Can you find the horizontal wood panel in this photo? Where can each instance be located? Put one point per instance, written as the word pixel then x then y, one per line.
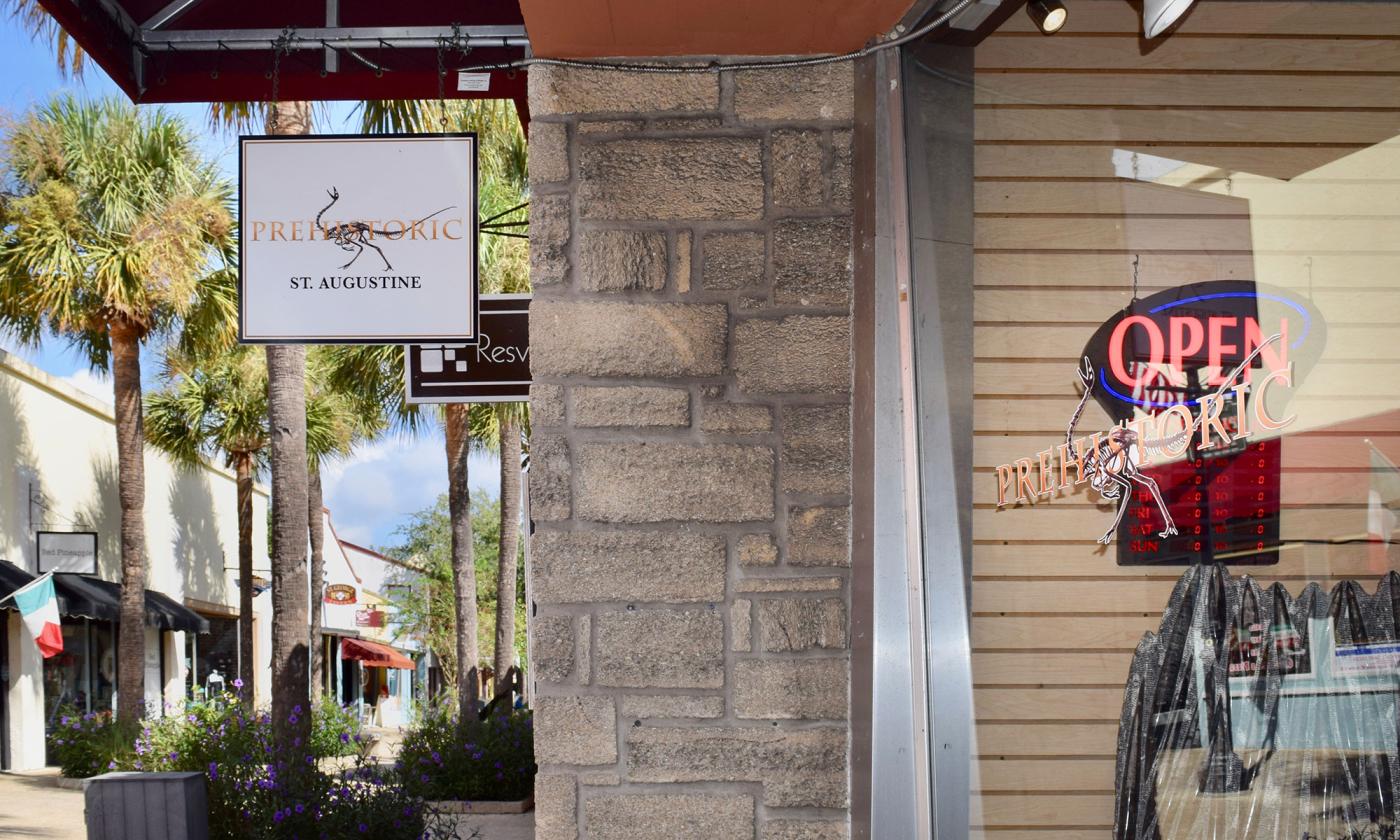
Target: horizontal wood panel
pixel 1060 739
pixel 1062 522
pixel 1009 774
pixel 1379 381
pixel 1215 126
pixel 993 160
pixel 1051 669
pixel 1046 632
pixel 1266 204
pixel 995 833
pixel 1264 18
pixel 1048 703
pixel 1030 809
pixel 1295 489
pixel 1187 233
pixel 1333 452
pixel 1380 307
pixel 1067 51
pixel 1089 597
pixel 1296 563
pixel 1347 342
pixel 1187 89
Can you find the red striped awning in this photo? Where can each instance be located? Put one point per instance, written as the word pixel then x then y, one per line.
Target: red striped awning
pixel 373 654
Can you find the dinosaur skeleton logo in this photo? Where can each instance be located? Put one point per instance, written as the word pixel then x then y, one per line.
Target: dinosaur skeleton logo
pixel 1112 462
pixel 357 236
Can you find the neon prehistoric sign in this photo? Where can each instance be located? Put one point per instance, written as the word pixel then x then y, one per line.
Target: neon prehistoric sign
pixel 1192 370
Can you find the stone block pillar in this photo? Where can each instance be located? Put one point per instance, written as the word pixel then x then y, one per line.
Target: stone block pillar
pixel 690 247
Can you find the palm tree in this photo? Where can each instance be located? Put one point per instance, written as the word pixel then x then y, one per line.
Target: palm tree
pixel 337 419
pixel 503 267
pixel 501 428
pixel 217 406
pixel 109 239
pixel 286 416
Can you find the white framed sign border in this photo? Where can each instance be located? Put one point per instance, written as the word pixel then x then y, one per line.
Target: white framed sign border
pixel 464 338
pixel 39 551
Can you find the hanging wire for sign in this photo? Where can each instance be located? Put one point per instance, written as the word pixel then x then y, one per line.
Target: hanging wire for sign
pixel 492 226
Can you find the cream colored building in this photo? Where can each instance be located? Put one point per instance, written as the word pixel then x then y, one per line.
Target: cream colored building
pixel 58 472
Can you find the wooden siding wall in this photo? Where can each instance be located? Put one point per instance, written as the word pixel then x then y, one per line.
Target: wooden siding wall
pixel 1287 114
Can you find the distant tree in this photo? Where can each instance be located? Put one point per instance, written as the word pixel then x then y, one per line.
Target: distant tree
pixel 503 266
pixel 428 604
pixel 115 231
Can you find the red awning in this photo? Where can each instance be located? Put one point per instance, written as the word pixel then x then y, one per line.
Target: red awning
pixel 373 654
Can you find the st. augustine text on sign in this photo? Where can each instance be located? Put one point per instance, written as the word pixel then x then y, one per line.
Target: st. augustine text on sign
pixel 358 240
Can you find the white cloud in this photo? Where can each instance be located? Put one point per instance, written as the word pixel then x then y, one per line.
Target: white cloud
pixel 382 484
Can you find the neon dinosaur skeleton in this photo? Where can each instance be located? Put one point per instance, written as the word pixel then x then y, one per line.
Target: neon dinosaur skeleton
pixel 1112 465
pixel 357 236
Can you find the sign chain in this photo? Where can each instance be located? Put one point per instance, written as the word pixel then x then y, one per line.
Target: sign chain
pixel 280 47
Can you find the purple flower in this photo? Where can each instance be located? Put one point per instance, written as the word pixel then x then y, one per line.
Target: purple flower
pixel 238 683
pixel 363 828
pixel 277 815
pixel 213 770
pixel 300 807
pixel 345 737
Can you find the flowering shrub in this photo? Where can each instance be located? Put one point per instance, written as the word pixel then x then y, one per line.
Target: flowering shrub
pixel 85 745
pixel 473 760
pixel 335 729
pixel 259 789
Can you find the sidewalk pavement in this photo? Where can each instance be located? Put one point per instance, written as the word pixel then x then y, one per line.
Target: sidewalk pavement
pixel 32 805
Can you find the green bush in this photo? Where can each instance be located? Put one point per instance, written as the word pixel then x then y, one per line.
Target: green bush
pixel 259 789
pixel 84 745
pixel 335 729
pixel 473 760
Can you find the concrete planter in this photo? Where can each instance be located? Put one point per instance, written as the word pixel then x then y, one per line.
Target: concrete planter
pixel 72 784
pixel 458 806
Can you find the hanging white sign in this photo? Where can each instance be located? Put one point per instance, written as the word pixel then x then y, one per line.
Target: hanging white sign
pixel 72 552
pixel 347 239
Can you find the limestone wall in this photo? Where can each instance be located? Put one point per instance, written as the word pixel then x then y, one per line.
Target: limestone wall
pixel 690 459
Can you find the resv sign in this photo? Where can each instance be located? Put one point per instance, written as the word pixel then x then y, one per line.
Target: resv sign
pixel 495 369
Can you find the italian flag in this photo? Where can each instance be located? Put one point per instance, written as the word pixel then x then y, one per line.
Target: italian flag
pixel 38 606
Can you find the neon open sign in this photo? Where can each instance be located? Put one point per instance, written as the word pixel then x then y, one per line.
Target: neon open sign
pixel 1176 345
pixel 1189 373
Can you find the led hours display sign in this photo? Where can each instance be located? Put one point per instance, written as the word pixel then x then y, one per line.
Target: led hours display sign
pixel 1196 381
pixel 358 240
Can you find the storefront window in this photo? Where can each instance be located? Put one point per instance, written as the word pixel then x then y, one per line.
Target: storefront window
pixel 212 652
pixel 84 675
pixel 1186 318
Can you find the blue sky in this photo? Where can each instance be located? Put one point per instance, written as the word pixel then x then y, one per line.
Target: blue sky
pixel 371 493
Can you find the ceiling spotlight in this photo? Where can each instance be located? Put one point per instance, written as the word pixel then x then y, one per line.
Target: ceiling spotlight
pixel 1159 15
pixel 1049 15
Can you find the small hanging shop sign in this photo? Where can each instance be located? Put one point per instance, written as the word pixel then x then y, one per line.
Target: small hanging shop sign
pixel 369 617
pixel 73 552
pixel 340 594
pixel 349 239
pixel 496 369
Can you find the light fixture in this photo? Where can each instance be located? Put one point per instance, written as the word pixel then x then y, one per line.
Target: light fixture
pixel 1159 15
pixel 1049 15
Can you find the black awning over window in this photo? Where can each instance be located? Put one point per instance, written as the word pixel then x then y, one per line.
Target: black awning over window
pixel 12 577
pixel 84 596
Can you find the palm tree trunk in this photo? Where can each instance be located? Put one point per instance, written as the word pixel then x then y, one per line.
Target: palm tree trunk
pixel 463 570
pixel 510 543
pixel 131 483
pixel 315 519
pixel 243 473
pixel 286 408
pixel 286 411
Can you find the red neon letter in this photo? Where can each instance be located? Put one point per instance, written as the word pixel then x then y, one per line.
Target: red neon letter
pixel 1191 345
pixel 1115 346
pixel 1218 347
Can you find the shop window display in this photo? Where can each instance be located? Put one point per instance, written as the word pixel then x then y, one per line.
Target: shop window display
pixel 1148 215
